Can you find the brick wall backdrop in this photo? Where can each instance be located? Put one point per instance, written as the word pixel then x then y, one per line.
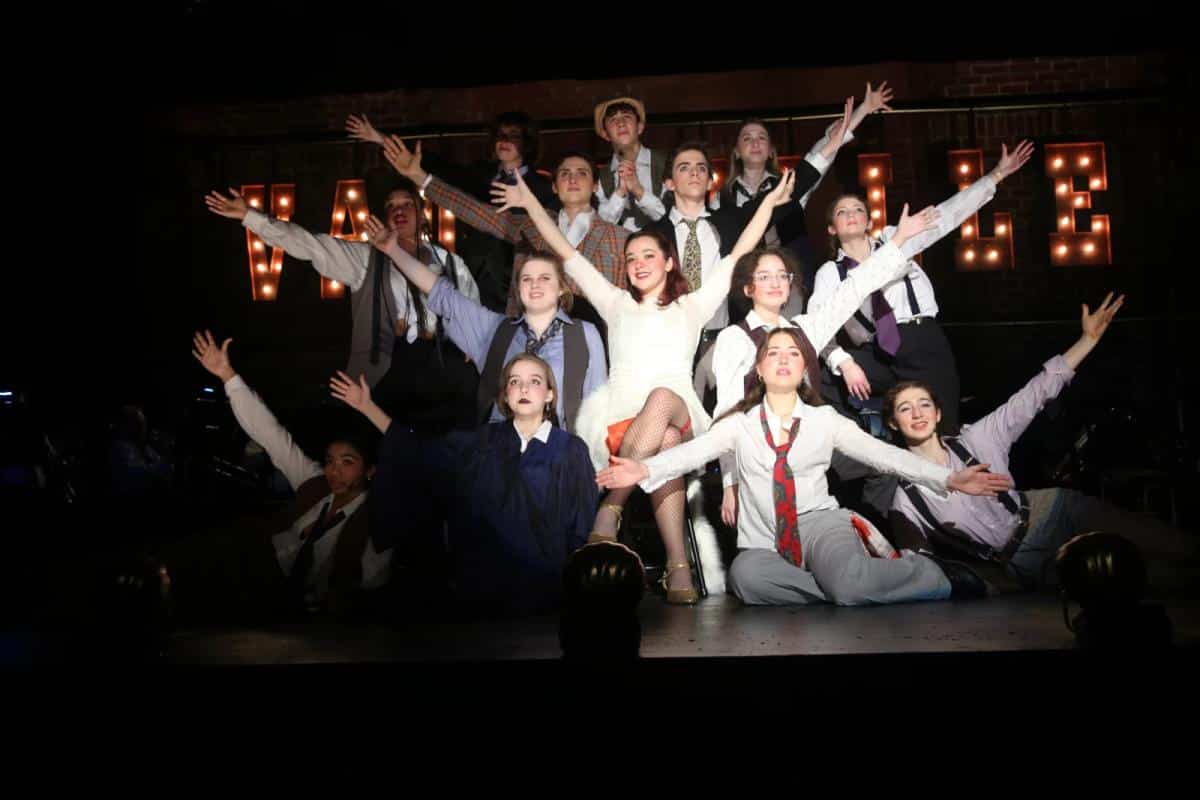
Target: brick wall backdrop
pixel 1129 102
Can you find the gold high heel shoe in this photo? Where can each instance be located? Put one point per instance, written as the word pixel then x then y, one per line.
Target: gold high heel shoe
pixel 679 597
pixel 596 536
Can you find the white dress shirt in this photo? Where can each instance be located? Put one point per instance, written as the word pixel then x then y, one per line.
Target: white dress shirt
pixel 954 212
pixel 260 425
pixel 710 256
pixel 734 352
pixel 611 208
pixel 821 431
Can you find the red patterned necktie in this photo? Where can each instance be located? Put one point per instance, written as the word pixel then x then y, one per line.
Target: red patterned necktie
pixel 783 492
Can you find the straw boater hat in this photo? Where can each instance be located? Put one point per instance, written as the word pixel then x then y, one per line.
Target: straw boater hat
pixel 603 107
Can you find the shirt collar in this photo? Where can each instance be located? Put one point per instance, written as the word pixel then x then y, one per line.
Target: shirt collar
pixel 542 434
pixel 563 222
pixel 677 218
pixel 801 410
pixel 768 178
pixel 755 321
pixel 523 170
pixel 350 507
pixel 564 316
pixel 642 160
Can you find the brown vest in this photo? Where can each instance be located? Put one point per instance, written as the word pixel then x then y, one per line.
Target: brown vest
pixel 346 574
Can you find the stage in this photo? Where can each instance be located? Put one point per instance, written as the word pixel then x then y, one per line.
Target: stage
pixel 718 628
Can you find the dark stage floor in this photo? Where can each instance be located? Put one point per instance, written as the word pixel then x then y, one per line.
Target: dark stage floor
pixel 718 628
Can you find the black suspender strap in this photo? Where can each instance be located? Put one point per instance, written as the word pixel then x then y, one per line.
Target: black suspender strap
pixel 1018 506
pixel 940 534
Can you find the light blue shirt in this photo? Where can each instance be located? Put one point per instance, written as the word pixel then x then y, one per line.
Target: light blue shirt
pixel 472 327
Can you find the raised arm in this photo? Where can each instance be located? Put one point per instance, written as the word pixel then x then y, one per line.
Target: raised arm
pixel 252 414
pixel 885 265
pixel 384 240
pixel 1094 325
pixel 959 208
pixel 469 324
pixel 360 128
pixel 1006 424
pixel 873 100
pixel 704 302
pixel 358 396
pixel 334 258
pixel 598 290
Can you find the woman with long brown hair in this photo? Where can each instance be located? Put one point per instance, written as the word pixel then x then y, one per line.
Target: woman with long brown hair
pixel 797 546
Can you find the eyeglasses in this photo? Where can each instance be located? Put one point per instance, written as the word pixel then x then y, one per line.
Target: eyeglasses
pixel 767 277
pixel 509 136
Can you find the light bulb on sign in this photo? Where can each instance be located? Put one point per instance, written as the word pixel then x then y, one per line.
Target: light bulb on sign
pixel 261 267
pixel 268 289
pixel 969 255
pixel 1058 163
pixel 1064 222
pixel 875 195
pixel 1084 161
pixel 1097 225
pixel 1095 183
pixel 334 285
pixel 875 214
pixel 873 172
pixel 1089 248
pixel 968 230
pixel 258 246
pixel 363 236
pixel 254 202
pixel 1001 229
pixel 351 194
pixel 993 255
pixel 1062 249
pixel 362 215
pixel 1062 188
pixel 283 201
pixel 1079 200
pixel 964 169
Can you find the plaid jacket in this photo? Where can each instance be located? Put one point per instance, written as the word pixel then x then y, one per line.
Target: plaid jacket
pixel 604 244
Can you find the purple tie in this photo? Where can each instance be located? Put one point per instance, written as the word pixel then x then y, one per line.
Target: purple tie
pixel 887 334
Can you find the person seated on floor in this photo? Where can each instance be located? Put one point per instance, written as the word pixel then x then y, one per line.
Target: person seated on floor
pixel 520 494
pixel 316 556
pixel 1021 530
pixel 798 546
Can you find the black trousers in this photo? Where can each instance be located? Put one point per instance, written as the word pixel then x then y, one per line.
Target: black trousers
pixel 924 355
pixel 429 386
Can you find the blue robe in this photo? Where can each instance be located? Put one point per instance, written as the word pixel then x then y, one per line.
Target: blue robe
pixel 513 517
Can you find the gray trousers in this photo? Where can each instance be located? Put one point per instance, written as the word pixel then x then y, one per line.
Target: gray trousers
pixel 837 569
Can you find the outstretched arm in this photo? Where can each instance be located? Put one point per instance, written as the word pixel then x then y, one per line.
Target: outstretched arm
pixel 358 396
pixel 959 208
pixel 336 259
pixel 252 414
pixel 598 290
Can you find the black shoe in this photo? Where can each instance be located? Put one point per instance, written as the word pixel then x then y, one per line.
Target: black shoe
pixel 965 583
